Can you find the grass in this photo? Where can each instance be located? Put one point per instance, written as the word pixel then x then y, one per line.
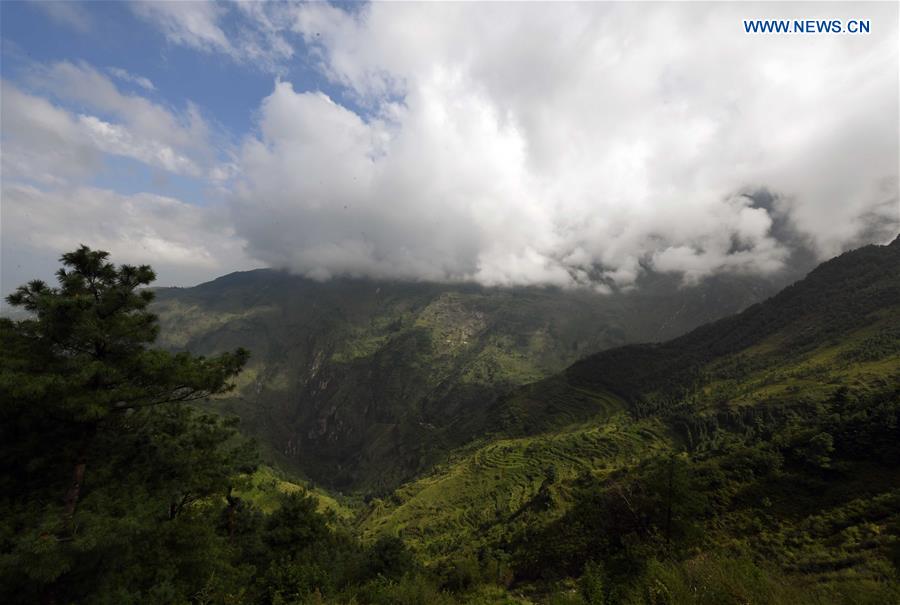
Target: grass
pixel 266 485
pixel 471 499
pixel 802 540
pixel 813 375
pixel 749 387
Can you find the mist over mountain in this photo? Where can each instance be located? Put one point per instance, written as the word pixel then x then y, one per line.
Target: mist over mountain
pixel 449 303
pixel 768 436
pixel 527 154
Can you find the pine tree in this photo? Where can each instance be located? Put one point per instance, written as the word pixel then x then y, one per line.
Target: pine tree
pixel 92 417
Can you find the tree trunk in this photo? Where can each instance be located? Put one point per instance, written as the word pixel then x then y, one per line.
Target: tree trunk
pixel 70 500
pixel 232 512
pixel 175 508
pixel 70 503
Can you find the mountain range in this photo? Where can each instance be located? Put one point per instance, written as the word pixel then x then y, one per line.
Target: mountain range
pixel 361 384
pixel 824 347
pixel 505 437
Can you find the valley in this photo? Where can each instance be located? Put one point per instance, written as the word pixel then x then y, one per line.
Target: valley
pixel 360 385
pixel 769 436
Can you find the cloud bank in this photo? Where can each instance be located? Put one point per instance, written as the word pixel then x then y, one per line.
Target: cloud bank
pixel 571 144
pixel 183 242
pixel 52 152
pixel 254 36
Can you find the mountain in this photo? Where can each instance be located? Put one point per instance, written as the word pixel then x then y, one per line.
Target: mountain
pixel 847 302
pixel 361 384
pixel 756 457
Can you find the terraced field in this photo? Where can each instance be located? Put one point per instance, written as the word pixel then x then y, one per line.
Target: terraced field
pixel 265 487
pixel 360 385
pixel 860 361
pixel 768 375
pixel 473 499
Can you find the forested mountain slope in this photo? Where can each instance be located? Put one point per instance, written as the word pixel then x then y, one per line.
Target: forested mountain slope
pixel 753 460
pixel 361 384
pixel 755 454
pixel 848 303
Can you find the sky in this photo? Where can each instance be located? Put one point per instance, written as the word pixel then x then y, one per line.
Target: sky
pixel 567 144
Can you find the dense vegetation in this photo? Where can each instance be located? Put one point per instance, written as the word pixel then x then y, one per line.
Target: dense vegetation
pixel 115 490
pixel 753 460
pixel 360 384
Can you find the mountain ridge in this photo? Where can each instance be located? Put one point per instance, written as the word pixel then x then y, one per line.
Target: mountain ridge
pixel 780 425
pixel 352 379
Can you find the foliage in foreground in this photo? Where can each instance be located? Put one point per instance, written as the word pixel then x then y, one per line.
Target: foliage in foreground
pixel 113 489
pixel 116 488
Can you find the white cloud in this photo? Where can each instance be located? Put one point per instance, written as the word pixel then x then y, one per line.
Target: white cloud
pixel 49 151
pixel 42 142
pixel 82 84
pixel 66 12
pixel 94 115
pixel 127 76
pixel 193 24
pixel 117 140
pixel 529 143
pixel 47 144
pixel 574 143
pixel 255 35
pixel 184 243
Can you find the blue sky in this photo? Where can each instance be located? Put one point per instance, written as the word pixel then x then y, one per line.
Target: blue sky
pixel 112 36
pixel 572 144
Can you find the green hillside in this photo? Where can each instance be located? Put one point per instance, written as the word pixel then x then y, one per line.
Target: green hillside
pixel 755 459
pixel 360 385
